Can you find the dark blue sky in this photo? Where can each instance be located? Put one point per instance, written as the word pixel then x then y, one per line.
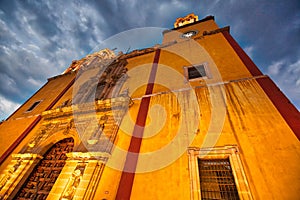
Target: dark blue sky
pixel 39 39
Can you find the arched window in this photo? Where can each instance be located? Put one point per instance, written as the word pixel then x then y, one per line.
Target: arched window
pixel 42 178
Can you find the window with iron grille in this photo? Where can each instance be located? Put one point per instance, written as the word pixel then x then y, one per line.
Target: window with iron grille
pixel 216 179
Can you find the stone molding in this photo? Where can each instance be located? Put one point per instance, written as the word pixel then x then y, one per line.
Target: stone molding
pixel 229 151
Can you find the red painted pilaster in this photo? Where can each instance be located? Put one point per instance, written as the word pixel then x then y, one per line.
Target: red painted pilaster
pixel 287 110
pixel 32 125
pixel 127 178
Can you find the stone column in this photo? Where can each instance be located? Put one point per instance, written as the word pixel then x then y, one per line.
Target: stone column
pixel 80 176
pixel 16 172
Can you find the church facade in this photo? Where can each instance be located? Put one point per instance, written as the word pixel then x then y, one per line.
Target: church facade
pixel 191 118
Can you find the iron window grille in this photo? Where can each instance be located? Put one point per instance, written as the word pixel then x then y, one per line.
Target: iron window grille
pixel 216 179
pixel 217 173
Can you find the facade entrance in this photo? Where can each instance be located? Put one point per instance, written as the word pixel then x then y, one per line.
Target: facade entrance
pixel 42 178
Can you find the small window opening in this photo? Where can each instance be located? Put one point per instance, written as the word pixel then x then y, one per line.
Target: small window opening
pixel 196 72
pixel 33 106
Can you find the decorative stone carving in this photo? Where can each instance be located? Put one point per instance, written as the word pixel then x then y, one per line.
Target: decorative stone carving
pixel 108 110
pixel 190 18
pixel 102 83
pixel 47 129
pixel 102 157
pixel 9 174
pixel 101 55
pixel 14 172
pixel 74 181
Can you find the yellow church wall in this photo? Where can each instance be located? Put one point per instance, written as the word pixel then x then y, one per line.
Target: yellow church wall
pixel 170 182
pixel 243 103
pixel 10 130
pixel 268 148
pixel 223 63
pixel 110 178
pixel 225 58
pixel 15 125
pixel 170 72
pixel 153 181
pixel 156 178
pixel 250 121
pixel 67 96
pixel 108 184
pixel 139 69
pixel 164 122
pixel 47 94
pixel 16 128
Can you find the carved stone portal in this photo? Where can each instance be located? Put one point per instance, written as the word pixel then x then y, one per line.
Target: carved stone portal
pixel 42 178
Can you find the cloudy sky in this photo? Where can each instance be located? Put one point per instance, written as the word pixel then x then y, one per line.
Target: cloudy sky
pixel 39 39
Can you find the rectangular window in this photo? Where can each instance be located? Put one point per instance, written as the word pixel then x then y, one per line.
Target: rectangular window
pixel 196 72
pixel 217 173
pixel 216 179
pixel 33 106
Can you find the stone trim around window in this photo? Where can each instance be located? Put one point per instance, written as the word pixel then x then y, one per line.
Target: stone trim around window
pixel 230 152
pixel 204 72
